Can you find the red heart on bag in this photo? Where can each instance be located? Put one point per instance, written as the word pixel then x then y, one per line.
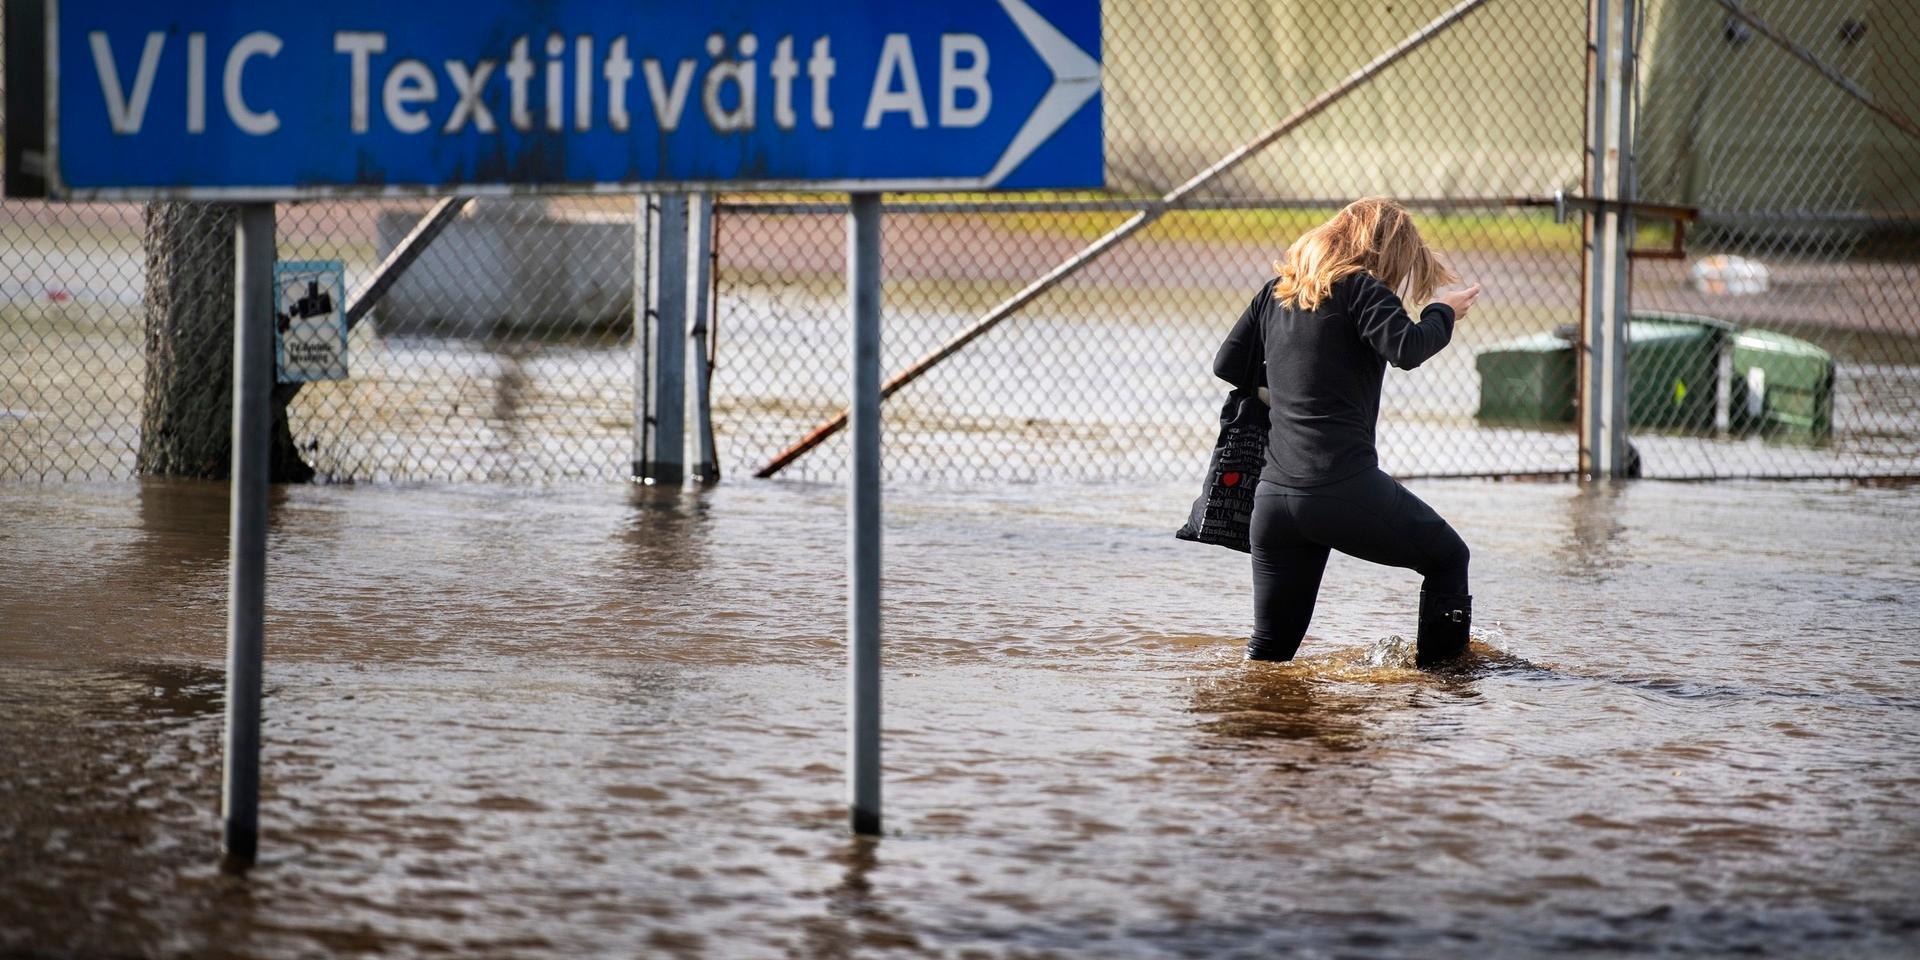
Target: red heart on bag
pixel 1230 478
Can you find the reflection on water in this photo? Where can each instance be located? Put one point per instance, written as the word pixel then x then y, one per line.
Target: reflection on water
pixel 1591 548
pixel 609 721
pixel 1283 701
pixel 666 527
pixel 159 690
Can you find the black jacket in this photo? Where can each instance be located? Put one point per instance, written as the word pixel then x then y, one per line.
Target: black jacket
pixel 1323 368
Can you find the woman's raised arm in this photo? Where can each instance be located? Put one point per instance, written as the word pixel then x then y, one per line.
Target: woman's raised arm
pixel 1383 323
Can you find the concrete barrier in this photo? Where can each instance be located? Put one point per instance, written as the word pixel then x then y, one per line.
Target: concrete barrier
pixel 511 266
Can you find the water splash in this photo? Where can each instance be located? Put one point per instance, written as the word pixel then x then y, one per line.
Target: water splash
pixel 1395 652
pixel 1394 659
pixel 1491 635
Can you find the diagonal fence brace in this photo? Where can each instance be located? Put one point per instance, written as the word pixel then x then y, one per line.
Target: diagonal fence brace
pixel 403 255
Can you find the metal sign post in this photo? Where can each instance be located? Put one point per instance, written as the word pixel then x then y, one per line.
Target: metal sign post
pixel 247 530
pixel 863 510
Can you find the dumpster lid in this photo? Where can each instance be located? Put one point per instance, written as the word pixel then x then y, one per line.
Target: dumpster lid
pixel 1644 330
pixel 1771 342
pixel 1682 319
pixel 1538 343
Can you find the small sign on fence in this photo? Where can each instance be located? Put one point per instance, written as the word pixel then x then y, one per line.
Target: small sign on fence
pixel 310 320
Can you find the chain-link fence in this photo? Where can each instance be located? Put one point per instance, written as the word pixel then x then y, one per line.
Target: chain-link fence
pixel 506 352
pixel 502 355
pixel 1804 250
pixel 1108 374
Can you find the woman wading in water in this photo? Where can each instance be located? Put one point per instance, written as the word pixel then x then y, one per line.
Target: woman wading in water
pixel 1316 342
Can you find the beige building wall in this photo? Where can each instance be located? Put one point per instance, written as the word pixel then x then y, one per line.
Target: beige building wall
pixel 1491 107
pixel 1890 161
pixel 1730 121
pixel 1495 105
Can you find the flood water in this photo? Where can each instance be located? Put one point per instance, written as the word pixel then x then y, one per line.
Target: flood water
pixel 598 721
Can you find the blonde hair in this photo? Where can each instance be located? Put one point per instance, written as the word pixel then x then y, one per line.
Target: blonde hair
pixel 1373 234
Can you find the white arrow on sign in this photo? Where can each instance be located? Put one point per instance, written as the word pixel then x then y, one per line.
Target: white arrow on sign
pixel 1076 78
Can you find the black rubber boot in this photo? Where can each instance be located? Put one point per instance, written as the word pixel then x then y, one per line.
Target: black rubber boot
pixel 1444 619
pixel 1271 651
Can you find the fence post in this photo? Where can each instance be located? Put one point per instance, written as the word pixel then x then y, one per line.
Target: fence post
pixel 1607 238
pixel 660 428
pixel 699 281
pixel 247 530
pixel 863 509
pixel 642 330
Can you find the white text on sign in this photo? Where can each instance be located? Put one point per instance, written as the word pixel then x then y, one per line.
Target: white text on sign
pixel 580 82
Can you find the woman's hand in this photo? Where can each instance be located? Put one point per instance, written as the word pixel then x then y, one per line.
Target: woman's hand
pixel 1460 300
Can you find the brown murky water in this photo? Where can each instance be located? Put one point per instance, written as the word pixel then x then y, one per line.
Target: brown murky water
pixel 594 721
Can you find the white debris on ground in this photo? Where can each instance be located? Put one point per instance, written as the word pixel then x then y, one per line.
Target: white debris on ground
pixel 1726 274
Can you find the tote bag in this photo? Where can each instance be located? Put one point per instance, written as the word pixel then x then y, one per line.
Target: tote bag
pixel 1225 508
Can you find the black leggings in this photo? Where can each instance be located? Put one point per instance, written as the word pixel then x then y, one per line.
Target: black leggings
pixel 1370 516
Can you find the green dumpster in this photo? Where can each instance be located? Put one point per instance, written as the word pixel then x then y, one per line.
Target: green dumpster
pixel 1527 381
pixel 1782 386
pixel 1673 370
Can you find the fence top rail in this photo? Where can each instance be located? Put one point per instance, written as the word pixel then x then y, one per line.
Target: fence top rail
pixel 1788 215
pixel 1126 205
pixel 827 207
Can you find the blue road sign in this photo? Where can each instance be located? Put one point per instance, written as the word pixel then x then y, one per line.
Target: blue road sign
pixel 250 100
